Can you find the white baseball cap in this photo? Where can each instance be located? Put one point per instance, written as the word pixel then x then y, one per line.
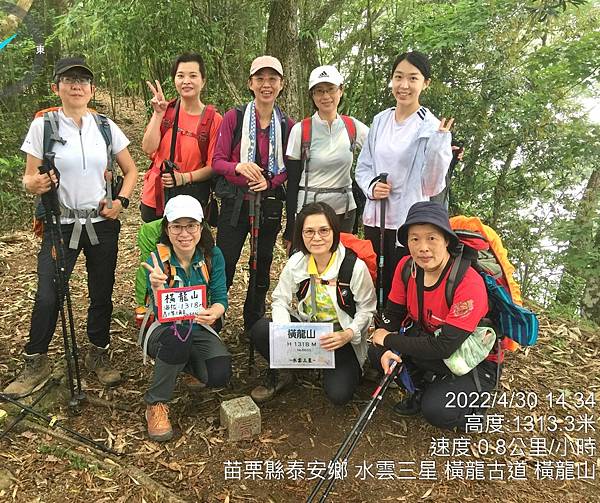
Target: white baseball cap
pixel 326 73
pixel 183 207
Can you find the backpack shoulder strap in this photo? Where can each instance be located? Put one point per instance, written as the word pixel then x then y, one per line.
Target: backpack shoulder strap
pixel 351 130
pixel 168 118
pixel 203 132
pixel 284 128
pixel 406 272
pixel 346 268
pixel 457 272
pixel 345 296
pixel 419 280
pixel 305 138
pixel 104 127
pixel 237 132
pixel 302 289
pixel 50 132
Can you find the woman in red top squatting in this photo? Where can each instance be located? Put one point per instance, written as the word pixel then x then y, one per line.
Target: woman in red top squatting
pixel 430 240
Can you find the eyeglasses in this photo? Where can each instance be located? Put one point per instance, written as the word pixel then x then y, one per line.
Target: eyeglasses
pixel 262 80
pixel 189 228
pixel 81 80
pixel 322 91
pixel 310 233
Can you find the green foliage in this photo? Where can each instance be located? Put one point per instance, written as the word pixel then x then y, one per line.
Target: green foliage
pixel 512 73
pixel 14 203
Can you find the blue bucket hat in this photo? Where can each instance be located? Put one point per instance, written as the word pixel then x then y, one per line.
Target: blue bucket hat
pixel 428 212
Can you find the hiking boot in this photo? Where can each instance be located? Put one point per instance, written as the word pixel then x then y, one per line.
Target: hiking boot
pixel 274 382
pixel 410 405
pixel 159 426
pixel 97 361
pixel 192 383
pixel 34 375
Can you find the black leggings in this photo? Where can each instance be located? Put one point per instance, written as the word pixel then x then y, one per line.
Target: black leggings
pixel 339 384
pixel 391 253
pixel 231 238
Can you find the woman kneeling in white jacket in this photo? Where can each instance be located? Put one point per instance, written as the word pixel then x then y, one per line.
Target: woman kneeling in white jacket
pixel 317 236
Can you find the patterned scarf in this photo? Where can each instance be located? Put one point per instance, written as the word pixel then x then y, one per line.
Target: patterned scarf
pixel 248 143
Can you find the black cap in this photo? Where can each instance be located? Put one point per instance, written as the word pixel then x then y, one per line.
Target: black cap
pixel 65 64
pixel 428 212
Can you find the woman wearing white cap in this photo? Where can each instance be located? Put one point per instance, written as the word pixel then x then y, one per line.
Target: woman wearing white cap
pixel 185 256
pixel 250 159
pixel 325 144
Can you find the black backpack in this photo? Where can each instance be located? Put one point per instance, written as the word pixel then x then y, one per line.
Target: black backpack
pixel 345 297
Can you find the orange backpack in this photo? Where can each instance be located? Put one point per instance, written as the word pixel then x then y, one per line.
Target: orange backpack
pixel 498 256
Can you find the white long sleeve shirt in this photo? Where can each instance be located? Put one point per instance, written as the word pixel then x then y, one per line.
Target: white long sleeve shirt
pixel 361 284
pixel 416 157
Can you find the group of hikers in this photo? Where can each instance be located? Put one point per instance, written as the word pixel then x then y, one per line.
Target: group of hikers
pixel 255 161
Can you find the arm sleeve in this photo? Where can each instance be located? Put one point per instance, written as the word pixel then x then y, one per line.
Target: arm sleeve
pixel 119 140
pixel 362 132
pixel 365 171
pixel 221 163
pixel 214 137
pixel 363 290
pixel 294 171
pixel 218 286
pixel 294 142
pixel 393 316
pixel 33 143
pixel 281 300
pixel 438 155
pixel 427 346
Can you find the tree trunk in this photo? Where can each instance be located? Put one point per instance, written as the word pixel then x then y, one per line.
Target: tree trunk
pixel 499 189
pixel 590 303
pixel 581 244
pixel 282 42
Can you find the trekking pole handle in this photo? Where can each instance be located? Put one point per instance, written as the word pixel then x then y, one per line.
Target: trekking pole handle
pixel 383 177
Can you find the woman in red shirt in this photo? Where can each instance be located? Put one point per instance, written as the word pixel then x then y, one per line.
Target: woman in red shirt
pixel 425 337
pixel 194 119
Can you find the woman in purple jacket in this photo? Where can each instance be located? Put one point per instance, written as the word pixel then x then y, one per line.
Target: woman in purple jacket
pixel 249 158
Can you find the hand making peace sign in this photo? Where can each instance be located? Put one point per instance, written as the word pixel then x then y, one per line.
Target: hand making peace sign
pixel 157 276
pixel 158 102
pixel 445 126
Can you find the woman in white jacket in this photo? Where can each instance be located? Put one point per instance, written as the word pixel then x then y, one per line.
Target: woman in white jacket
pixel 413 147
pixel 317 236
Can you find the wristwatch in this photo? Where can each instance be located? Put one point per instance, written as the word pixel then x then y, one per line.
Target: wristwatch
pixel 124 201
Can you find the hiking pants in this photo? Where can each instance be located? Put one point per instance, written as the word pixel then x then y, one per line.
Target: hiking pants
pixel 447 399
pixel 230 240
pixel 339 384
pixel 391 253
pixel 100 262
pixel 202 355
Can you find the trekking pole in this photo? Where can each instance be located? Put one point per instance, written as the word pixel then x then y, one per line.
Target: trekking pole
pixel 381 261
pixel 52 211
pixel 352 438
pixel 254 216
pixel 168 167
pixel 54 423
pixel 51 383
